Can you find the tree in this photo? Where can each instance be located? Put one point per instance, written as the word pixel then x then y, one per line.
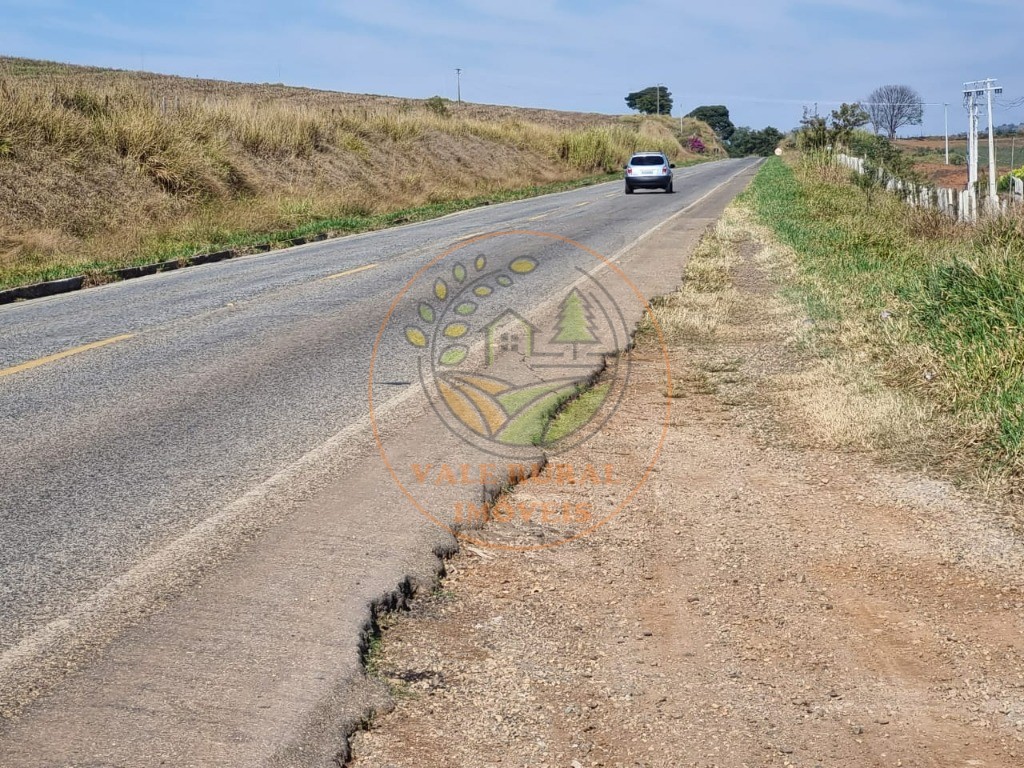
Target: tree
pixel 845 120
pixel 574 323
pixel 882 154
pixel 655 100
pixel 893 106
pixel 814 131
pixel 834 132
pixel 438 105
pixel 717 116
pixel 746 141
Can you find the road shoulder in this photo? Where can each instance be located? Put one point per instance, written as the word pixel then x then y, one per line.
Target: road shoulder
pixel 765 600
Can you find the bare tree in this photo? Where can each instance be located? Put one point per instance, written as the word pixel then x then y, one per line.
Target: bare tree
pixel 893 106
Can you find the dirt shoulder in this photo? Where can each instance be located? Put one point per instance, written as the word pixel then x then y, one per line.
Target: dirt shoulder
pixel 764 601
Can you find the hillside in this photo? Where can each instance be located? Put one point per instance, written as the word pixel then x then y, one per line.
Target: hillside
pixel 104 168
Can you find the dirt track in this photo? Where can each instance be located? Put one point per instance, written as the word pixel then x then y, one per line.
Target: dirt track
pixel 764 601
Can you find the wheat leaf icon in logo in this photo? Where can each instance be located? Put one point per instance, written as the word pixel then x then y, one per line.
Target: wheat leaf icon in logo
pixel 450 300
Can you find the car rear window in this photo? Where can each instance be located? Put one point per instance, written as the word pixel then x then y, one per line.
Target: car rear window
pixel 647 160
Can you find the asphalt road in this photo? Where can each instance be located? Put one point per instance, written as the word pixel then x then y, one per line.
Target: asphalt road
pixel 184 391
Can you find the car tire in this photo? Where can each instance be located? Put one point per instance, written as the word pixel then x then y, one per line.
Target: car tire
pixel 629 190
pixel 669 188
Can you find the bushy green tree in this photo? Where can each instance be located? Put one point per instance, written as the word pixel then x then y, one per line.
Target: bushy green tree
pixel 746 141
pixel 846 120
pixel 814 131
pixel 881 154
pixel 834 132
pixel 438 105
pixel 717 116
pixel 654 100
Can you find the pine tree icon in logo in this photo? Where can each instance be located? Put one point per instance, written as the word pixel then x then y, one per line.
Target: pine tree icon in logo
pixel 575 322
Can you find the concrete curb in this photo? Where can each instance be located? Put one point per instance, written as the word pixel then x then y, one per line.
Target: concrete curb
pixel 38 290
pixel 68 284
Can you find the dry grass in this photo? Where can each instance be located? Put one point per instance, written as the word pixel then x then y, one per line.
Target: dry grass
pixel 99 167
pixel 696 311
pixel 922 316
pixel 841 407
pixel 838 396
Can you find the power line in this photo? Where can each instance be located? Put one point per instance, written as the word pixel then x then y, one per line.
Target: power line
pixel 1010 104
pixel 763 100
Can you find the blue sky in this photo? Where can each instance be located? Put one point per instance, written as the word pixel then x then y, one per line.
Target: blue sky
pixel 764 60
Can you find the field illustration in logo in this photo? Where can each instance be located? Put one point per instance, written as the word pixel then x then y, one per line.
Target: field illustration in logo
pixel 497 376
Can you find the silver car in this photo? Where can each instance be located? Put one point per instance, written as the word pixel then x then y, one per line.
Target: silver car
pixel 649 170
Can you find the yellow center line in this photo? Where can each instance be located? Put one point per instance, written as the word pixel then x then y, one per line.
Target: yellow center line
pixel 351 271
pixel 61 355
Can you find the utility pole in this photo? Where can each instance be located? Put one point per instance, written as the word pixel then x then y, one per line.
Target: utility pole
pixel 971 102
pixel 458 85
pixel 972 91
pixel 993 195
pixel 945 113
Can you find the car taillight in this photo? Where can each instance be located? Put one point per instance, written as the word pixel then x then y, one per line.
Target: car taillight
pixel 629 171
pixel 664 169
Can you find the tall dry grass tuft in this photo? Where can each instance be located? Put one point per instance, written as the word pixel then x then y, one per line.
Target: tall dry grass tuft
pixel 123 167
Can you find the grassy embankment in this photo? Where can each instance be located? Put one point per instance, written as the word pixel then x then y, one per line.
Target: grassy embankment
pixel 933 308
pixel 101 169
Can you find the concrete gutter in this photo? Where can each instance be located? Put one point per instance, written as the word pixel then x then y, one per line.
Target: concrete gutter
pixel 68 284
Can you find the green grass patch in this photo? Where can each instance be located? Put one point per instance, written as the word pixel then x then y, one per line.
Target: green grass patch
pixel 576 413
pixel 937 307
pixel 171 248
pixel 529 427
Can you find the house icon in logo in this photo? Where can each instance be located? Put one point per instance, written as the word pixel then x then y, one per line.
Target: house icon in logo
pixel 511 333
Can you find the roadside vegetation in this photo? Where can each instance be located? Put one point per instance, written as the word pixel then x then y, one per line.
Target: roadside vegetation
pixel 101 169
pixel 933 309
pixel 741 141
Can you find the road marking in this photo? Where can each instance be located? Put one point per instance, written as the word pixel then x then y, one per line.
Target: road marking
pixel 541 216
pixel 580 205
pixel 612 194
pixel 61 355
pixel 351 271
pixel 471 235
